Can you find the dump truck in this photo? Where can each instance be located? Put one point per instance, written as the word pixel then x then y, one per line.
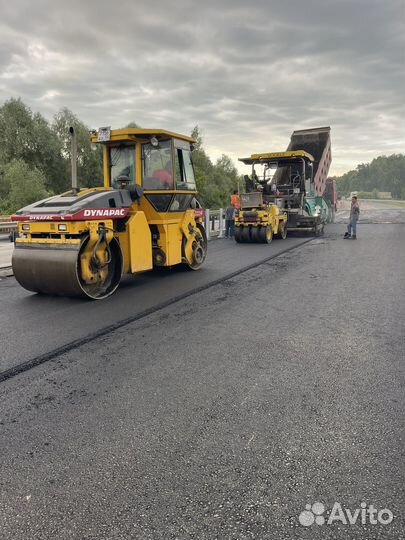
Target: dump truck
pixel 317 143
pixel 295 180
pixel 81 242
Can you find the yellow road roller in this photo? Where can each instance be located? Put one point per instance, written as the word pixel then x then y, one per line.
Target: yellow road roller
pixel 81 242
pixel 258 219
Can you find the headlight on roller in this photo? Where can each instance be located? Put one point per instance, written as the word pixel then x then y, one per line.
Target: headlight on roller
pixel 62 227
pixel 25 227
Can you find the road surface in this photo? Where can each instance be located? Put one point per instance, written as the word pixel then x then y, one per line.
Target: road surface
pixel 220 416
pixel 32 325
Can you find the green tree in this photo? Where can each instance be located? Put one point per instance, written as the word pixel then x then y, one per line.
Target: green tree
pixel 203 168
pixel 384 173
pixel 215 182
pixel 28 137
pixel 24 185
pixel 228 176
pixel 89 156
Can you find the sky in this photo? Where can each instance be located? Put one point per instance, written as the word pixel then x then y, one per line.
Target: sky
pixel 248 73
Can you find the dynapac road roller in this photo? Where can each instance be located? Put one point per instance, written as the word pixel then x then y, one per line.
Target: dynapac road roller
pixel 258 219
pixel 81 242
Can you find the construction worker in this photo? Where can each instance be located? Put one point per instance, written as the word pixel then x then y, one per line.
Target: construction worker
pixel 353 219
pixel 235 200
pixel 230 221
pixel 164 176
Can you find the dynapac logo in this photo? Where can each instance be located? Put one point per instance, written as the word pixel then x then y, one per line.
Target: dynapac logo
pixel 105 212
pixel 39 217
pixel 88 214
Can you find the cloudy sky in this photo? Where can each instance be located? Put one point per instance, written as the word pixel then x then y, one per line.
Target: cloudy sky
pixel 247 72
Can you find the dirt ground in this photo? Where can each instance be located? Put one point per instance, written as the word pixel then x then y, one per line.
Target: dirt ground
pixel 373 211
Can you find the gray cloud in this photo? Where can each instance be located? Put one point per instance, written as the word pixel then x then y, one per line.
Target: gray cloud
pixel 247 73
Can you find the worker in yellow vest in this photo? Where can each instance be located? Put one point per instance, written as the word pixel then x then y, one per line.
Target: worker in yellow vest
pixel 235 200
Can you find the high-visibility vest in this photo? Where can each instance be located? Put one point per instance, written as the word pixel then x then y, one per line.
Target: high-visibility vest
pixel 235 201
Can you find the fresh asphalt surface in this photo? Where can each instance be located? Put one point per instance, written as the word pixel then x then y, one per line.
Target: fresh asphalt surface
pixel 32 325
pixel 220 416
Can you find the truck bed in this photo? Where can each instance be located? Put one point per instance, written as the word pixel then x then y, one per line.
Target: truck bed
pixel 315 141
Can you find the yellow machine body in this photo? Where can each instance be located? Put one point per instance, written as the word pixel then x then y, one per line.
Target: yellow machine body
pixel 80 243
pixel 258 222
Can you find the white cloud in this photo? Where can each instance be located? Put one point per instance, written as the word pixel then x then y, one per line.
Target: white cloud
pixel 247 73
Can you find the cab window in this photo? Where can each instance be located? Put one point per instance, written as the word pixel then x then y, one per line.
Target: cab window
pixel 184 170
pixel 157 166
pixel 122 163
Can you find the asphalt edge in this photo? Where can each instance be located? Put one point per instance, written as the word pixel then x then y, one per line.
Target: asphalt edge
pixel 6 271
pixel 46 357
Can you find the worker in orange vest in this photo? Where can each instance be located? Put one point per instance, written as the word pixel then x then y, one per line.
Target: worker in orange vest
pixel 235 200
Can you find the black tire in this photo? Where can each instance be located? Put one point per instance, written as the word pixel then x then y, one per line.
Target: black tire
pixel 254 235
pixel 159 257
pixel 266 234
pixel 282 230
pixel 200 246
pixel 238 235
pixel 245 235
pixel 98 291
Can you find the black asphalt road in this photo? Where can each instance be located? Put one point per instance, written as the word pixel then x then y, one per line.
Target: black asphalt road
pixel 223 415
pixel 32 325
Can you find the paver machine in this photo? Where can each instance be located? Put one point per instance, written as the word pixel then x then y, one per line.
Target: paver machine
pixel 81 242
pixel 295 180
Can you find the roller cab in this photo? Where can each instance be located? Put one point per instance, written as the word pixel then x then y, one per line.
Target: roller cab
pixel 81 242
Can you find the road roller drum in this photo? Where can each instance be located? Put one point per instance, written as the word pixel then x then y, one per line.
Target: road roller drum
pixel 62 269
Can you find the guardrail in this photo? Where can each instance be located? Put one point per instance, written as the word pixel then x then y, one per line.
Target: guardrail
pixel 215 223
pixel 7 227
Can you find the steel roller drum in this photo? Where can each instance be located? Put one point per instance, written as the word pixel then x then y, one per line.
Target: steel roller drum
pixel 54 269
pixel 47 268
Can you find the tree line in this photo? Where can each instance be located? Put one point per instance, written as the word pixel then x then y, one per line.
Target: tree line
pixel 384 173
pixel 35 159
pixel 35 162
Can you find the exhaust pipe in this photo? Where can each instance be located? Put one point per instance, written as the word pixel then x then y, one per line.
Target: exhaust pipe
pixel 75 187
